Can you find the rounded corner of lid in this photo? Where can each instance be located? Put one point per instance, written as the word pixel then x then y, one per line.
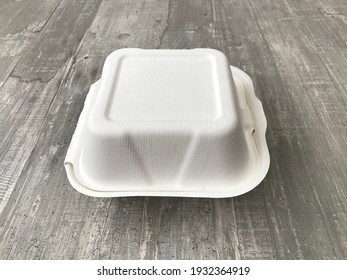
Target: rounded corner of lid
pixel 220 55
pixel 117 54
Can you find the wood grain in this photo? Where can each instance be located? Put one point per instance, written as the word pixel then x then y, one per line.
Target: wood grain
pixel 294 51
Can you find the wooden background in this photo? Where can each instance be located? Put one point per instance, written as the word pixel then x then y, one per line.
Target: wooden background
pixel 295 52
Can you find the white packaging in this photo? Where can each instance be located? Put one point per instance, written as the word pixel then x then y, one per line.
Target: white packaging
pixel 169 123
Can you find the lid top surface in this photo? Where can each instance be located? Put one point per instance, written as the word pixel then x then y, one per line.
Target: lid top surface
pixel 164 88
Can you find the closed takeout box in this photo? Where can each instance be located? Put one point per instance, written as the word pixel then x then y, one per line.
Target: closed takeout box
pixel 169 123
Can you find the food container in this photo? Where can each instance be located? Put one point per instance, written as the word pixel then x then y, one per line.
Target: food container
pixel 169 123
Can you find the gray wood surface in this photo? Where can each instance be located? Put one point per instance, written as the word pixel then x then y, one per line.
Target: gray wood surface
pixel 296 54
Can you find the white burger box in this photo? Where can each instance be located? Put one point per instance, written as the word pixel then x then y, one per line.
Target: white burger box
pixel 180 123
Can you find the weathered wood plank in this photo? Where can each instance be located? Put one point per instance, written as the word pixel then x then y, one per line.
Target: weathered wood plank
pixel 31 85
pixel 295 52
pixel 19 23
